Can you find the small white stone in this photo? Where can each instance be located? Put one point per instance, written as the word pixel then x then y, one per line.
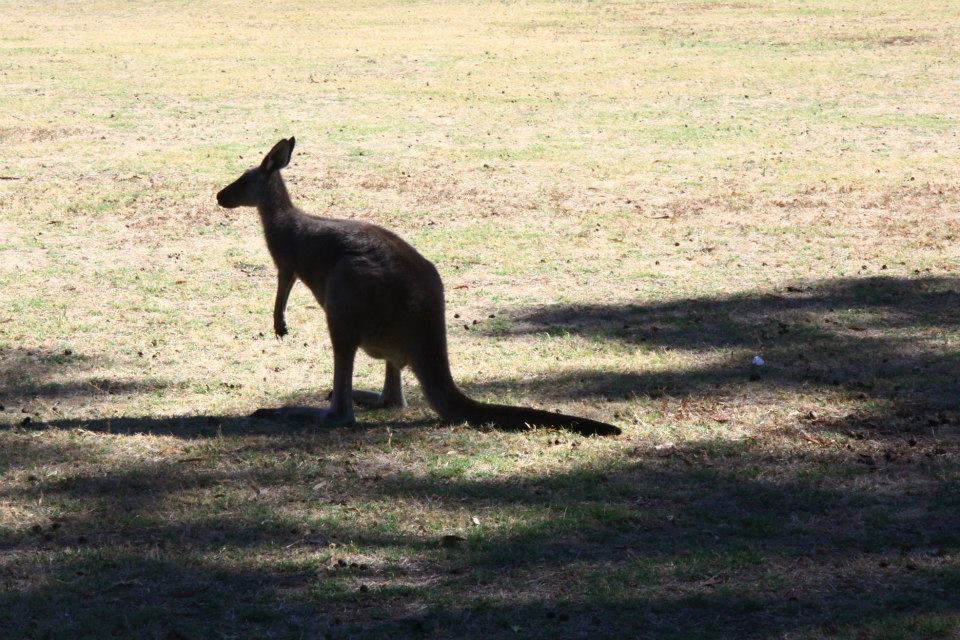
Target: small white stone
pixel 758 361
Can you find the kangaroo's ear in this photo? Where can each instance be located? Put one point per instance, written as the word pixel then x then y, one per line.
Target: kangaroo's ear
pixel 279 156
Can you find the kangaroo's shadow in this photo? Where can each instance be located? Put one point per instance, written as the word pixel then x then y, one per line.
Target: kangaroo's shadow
pixel 217 425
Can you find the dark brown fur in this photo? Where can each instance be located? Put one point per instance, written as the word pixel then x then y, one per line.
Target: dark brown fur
pixel 380 295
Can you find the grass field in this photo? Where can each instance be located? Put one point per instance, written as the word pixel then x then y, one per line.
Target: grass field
pixel 627 201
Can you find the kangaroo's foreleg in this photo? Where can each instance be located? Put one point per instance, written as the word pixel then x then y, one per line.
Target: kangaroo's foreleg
pixel 285 280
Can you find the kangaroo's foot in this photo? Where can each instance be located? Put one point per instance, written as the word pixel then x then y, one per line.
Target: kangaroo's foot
pixel 310 415
pixel 374 400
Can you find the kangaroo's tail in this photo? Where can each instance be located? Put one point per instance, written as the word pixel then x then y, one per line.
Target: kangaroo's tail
pixel 432 369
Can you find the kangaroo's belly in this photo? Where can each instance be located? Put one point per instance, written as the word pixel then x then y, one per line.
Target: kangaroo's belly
pixel 388 352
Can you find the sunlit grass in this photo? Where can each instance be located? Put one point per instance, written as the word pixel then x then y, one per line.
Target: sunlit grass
pixel 627 203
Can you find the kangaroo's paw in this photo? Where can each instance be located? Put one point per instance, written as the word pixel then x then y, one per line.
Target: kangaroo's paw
pixel 373 400
pixel 367 399
pixel 392 402
pixel 310 415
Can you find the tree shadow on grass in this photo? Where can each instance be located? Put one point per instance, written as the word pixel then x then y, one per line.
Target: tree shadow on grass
pixel 25 378
pixel 712 539
pixel 883 340
pixel 243 535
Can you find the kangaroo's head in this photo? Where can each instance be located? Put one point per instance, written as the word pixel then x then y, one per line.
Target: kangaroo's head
pixel 251 189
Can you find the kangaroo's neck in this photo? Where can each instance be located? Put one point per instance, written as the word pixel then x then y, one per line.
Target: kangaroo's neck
pixel 276 206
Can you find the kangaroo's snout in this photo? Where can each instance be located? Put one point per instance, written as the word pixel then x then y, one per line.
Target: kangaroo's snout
pixel 228 197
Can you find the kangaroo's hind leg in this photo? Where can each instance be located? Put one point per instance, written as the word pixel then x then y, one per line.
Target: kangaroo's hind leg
pixel 390 398
pixel 340 411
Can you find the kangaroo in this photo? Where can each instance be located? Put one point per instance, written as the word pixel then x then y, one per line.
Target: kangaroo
pixel 379 295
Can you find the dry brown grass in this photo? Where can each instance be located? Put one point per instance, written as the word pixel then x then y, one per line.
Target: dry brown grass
pixel 644 194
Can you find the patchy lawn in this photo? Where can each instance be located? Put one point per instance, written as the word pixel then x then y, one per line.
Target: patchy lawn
pixel 627 201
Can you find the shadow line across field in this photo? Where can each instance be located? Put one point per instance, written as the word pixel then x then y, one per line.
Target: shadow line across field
pixel 712 538
pixel 888 341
